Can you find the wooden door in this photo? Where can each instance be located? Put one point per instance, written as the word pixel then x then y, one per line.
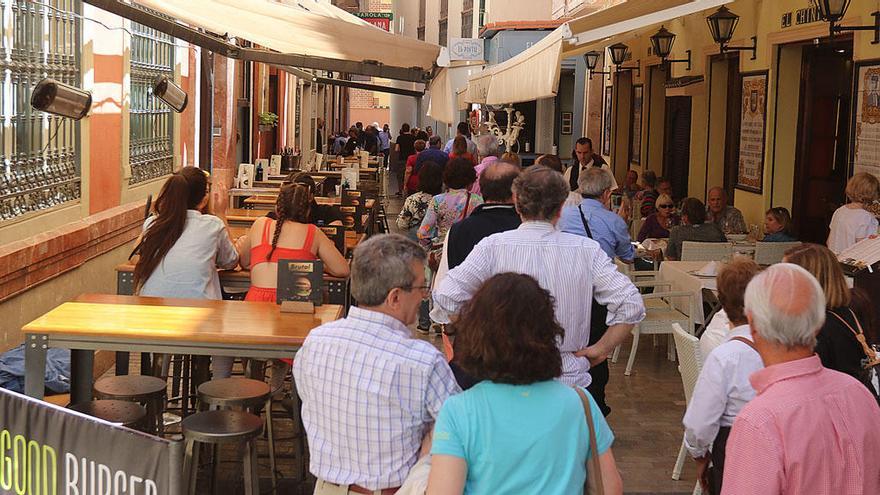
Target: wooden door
pixel 823 138
pixel 677 147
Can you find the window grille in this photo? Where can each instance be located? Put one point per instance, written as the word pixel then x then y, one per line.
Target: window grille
pixel 444 32
pixel 40 152
pixel 151 133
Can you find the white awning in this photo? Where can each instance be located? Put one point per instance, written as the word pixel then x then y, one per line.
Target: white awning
pixel 534 73
pixel 308 28
pixel 440 106
pixel 461 99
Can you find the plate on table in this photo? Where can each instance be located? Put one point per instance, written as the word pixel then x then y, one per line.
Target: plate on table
pixel 737 237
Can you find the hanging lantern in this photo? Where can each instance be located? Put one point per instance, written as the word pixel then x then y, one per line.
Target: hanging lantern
pixel 592 59
pixel 618 53
pixel 662 42
pixel 722 25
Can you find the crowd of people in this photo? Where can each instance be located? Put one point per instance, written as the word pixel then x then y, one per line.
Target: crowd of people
pixel 515 267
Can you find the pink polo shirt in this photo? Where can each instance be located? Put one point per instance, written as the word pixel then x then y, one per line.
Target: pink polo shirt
pixel 810 430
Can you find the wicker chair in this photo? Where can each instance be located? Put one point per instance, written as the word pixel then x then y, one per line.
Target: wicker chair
pixel 690 362
pixel 768 253
pixel 705 251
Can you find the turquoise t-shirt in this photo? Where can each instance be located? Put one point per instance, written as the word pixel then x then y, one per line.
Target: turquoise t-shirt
pixel 520 438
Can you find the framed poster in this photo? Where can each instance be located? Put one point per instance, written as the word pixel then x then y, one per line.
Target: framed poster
pixel 606 121
pixel 635 125
pixel 866 126
pixel 752 137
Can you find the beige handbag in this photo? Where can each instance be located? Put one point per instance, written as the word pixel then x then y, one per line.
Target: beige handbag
pixel 594 484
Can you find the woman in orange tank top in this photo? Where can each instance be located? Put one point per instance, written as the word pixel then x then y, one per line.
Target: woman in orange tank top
pixel 293 238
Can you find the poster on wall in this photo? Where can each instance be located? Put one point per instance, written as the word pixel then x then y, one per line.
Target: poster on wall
pixel 866 131
pixel 635 142
pixel 606 122
pixel 750 172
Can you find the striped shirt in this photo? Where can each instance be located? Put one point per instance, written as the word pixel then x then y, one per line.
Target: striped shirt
pixel 572 268
pixel 370 393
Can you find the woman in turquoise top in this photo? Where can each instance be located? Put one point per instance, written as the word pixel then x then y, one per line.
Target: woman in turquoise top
pixel 518 430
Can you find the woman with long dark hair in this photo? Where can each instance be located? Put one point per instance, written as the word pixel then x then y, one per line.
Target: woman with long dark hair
pixel 182 247
pixel 506 338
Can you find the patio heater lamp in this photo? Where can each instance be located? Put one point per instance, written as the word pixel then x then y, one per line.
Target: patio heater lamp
pixel 170 93
pixel 832 12
pixel 722 24
pixel 618 53
pixel 662 43
pixel 592 59
pixel 61 99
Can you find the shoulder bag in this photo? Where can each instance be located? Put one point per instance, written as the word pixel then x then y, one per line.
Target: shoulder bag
pixel 594 485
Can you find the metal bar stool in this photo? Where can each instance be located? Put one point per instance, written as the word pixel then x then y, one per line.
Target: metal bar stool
pixel 244 393
pixel 220 427
pixel 146 390
pixel 120 412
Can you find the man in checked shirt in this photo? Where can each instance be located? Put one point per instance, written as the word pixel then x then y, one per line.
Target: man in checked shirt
pixel 370 391
pixel 574 269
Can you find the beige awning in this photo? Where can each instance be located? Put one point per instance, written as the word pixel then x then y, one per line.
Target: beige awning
pixel 534 73
pixel 461 99
pixel 440 106
pixel 308 28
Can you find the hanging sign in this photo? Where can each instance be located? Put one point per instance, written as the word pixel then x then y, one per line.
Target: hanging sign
pixel 381 20
pixel 50 450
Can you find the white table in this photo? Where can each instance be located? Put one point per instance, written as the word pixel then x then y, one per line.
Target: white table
pixel 680 275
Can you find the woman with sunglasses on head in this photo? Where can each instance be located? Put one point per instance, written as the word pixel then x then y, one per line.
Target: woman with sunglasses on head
pixel 182 247
pixel 777 225
pixel 657 224
pixel 506 339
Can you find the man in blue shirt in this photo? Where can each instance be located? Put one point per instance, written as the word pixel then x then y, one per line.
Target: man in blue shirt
pixel 431 154
pixel 462 130
pixel 594 219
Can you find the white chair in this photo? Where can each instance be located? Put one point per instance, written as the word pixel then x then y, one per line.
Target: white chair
pixel 768 253
pixel 641 278
pixel 660 314
pixel 690 362
pixel 705 251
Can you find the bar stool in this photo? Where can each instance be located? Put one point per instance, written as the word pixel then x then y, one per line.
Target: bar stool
pixel 146 390
pixel 120 412
pixel 220 427
pixel 244 393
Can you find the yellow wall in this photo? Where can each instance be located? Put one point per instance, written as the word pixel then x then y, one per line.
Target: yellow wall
pixel 761 18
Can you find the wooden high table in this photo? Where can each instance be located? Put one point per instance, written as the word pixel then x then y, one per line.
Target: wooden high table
pixel 170 326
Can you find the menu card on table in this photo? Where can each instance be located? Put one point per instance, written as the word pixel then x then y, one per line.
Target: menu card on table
pixel 352 216
pixel 301 281
pixel 352 197
pixel 336 233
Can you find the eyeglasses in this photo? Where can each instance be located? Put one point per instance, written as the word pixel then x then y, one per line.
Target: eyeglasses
pixel 426 289
pixel 666 206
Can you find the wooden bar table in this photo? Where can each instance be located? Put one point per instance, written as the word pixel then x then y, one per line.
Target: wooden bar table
pixel 162 325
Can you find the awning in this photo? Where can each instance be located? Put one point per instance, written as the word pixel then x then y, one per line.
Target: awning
pixel 301 33
pixel 534 73
pixel 461 99
pixel 440 104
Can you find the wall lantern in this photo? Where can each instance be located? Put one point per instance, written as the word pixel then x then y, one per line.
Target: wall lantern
pixel 61 99
pixel 592 60
pixel 832 12
pixel 618 53
pixel 662 43
pixel 170 93
pixel 722 24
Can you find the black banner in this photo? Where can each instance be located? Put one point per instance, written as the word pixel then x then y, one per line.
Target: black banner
pixel 49 450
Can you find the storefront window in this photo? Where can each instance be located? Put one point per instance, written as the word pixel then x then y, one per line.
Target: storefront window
pixel 40 163
pixel 151 137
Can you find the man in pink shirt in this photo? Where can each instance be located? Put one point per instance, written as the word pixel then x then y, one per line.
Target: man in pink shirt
pixel 809 430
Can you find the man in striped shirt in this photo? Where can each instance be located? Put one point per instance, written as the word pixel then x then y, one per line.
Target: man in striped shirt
pixel 572 268
pixel 370 392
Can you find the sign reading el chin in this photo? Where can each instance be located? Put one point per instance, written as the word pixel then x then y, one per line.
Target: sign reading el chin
pixel 466 49
pixel 48 450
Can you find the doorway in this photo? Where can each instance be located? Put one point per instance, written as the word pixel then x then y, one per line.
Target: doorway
pixel 821 168
pixel 677 145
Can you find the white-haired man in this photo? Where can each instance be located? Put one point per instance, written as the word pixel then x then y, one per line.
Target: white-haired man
pixel 809 429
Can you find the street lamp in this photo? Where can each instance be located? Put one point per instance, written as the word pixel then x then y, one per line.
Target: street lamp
pixel 170 93
pixel 832 12
pixel 722 24
pixel 592 60
pixel 662 42
pixel 618 53
pixel 61 99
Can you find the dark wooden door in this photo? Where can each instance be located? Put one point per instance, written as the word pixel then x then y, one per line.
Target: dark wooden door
pixel 677 147
pixel 823 139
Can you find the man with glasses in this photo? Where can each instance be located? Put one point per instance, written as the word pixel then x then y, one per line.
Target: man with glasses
pixel 370 391
pixel 593 218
